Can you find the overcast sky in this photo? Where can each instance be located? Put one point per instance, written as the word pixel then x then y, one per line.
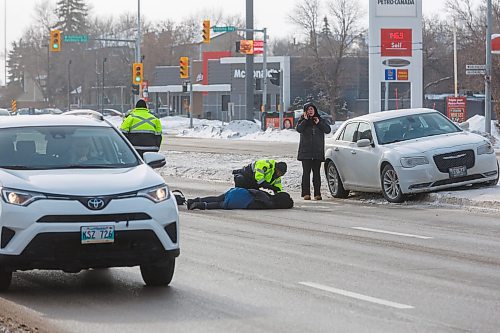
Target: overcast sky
pixel 272 14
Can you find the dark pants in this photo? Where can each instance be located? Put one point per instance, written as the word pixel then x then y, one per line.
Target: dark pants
pixel 307 166
pixel 240 180
pixel 212 202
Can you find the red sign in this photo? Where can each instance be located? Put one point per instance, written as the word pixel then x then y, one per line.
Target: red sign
pixel 258 47
pixel 495 44
pixel 402 75
pixel 396 42
pixel 274 122
pixel 456 108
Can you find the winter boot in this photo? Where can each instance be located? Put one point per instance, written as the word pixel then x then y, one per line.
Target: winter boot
pixel 198 205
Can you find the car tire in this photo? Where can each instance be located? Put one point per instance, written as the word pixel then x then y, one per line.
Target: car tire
pixel 495 181
pixel 335 185
pixel 5 280
pixel 390 185
pixel 158 274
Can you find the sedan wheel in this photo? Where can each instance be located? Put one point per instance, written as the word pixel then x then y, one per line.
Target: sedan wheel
pixel 334 182
pixel 390 185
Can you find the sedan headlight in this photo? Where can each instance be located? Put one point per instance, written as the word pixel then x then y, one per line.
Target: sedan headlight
pixel 156 194
pixel 20 197
pixel 485 149
pixel 411 162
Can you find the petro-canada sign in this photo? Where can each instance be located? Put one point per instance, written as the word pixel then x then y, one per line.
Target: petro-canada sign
pixel 399 8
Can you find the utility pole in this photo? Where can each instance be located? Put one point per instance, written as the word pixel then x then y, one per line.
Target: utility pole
pixel 264 71
pixel 487 77
pixel 102 92
pixel 249 79
pixel 455 62
pixel 69 85
pixel 138 41
pixel 190 102
pixel 5 41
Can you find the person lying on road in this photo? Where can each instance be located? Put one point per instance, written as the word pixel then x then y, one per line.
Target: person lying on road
pixel 241 198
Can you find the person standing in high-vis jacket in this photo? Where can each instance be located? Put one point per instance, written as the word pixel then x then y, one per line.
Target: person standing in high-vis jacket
pixel 142 129
pixel 261 174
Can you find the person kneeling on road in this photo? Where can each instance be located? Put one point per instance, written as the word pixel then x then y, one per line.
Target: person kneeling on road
pixel 241 198
pixel 261 174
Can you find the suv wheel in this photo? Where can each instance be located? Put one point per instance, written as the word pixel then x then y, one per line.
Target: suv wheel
pixel 158 274
pixel 5 279
pixel 334 182
pixel 390 185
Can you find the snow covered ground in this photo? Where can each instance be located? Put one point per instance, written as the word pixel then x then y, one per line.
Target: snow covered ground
pixel 214 167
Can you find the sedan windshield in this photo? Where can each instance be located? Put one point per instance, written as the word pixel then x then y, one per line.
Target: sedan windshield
pixel 413 127
pixel 64 147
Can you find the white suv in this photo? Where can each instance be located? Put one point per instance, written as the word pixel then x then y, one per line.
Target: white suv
pixel 76 195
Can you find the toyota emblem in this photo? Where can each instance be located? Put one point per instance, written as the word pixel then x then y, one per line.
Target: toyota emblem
pixel 95 203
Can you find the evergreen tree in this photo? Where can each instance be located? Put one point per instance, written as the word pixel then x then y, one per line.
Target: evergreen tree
pixel 14 64
pixel 72 16
pixel 326 27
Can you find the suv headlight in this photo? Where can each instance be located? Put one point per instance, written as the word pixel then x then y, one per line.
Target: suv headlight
pixel 156 194
pixel 411 162
pixel 485 149
pixel 20 197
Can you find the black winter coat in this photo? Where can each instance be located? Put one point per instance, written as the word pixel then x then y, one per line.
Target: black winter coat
pixel 312 138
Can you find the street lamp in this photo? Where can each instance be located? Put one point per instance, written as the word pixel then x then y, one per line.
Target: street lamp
pixel 69 85
pixel 102 92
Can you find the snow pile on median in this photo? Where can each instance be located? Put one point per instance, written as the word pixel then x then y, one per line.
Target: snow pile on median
pixel 215 129
pixel 476 125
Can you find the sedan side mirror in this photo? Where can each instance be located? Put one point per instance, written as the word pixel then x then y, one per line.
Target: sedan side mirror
pixel 363 143
pixel 154 160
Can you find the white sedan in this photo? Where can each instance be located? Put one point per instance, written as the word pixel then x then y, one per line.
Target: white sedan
pixel 404 152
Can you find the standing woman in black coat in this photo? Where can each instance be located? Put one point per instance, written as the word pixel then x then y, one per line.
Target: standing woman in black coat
pixel 312 129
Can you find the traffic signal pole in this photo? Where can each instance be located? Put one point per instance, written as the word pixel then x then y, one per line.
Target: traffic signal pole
pixel 487 77
pixel 190 104
pixel 249 79
pixel 138 43
pixel 264 71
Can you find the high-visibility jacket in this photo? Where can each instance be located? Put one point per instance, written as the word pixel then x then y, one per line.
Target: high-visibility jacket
pixel 263 171
pixel 143 130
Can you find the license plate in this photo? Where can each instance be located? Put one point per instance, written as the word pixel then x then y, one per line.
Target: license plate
pixel 459 171
pixel 100 234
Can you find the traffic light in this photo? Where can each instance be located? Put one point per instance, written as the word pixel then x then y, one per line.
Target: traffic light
pixel 275 79
pixel 206 31
pixel 184 67
pixel 55 40
pixel 137 73
pixel 135 89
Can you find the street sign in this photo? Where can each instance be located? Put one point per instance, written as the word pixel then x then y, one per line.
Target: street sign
pixel 475 72
pixel 483 67
pixel 13 106
pixel 75 38
pixel 223 29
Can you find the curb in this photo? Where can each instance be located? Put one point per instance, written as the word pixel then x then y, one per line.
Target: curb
pixel 18 318
pixel 493 206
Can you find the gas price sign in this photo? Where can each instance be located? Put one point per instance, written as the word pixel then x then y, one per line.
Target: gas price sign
pixel 396 42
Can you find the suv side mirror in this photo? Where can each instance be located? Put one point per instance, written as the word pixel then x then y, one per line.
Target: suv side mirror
pixel 154 160
pixel 363 143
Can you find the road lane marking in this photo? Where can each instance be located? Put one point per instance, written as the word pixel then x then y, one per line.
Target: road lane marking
pixel 356 295
pixel 391 233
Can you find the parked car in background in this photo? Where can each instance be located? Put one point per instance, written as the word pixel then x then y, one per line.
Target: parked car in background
pixel 111 112
pixel 50 111
pixel 406 151
pixel 163 111
pixel 5 112
pixel 322 114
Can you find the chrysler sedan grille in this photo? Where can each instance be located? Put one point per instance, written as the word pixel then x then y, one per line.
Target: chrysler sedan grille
pixel 459 158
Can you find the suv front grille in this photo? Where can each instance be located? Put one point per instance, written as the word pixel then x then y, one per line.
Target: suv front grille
pixel 459 158
pixel 94 218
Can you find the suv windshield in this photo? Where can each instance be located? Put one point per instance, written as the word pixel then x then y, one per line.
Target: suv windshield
pixel 413 127
pixel 64 147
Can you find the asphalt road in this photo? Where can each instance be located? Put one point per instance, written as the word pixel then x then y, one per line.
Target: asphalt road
pixel 329 266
